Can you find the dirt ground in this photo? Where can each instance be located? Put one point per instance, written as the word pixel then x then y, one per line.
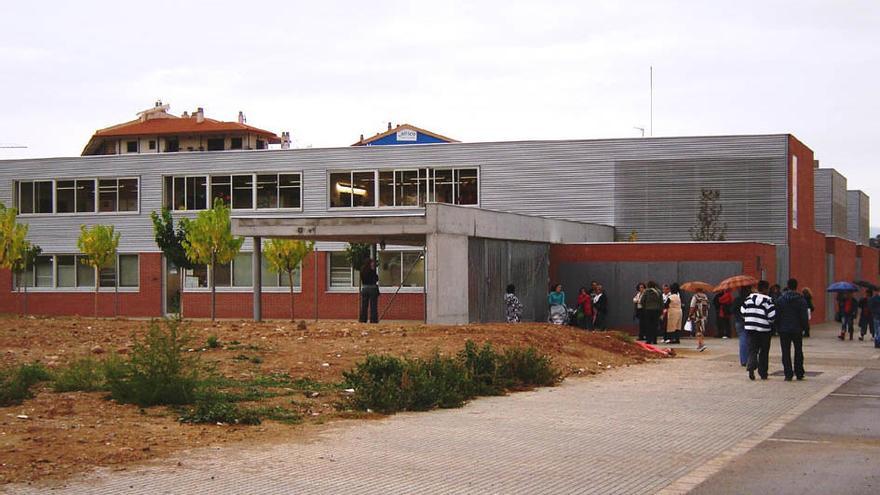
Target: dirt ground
pixel 55 435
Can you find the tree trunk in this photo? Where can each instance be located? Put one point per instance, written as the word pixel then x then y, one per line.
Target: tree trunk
pixel 213 292
pixel 97 289
pixel 182 280
pixel 25 310
pixel 116 294
pixel 290 276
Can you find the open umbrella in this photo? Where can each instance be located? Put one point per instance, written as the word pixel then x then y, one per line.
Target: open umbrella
pixel 866 284
pixel 735 282
pixel 842 287
pixel 693 286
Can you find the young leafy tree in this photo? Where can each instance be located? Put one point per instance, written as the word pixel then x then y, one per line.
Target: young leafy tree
pixel 11 233
pixel 709 226
pixel 25 255
pixel 209 241
pixel 170 241
pixel 99 245
pixel 285 256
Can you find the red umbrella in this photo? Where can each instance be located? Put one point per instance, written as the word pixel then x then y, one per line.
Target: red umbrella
pixel 735 282
pixel 693 286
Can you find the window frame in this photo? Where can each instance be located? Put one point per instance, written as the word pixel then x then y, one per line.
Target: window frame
pixel 95 180
pixel 280 288
pixel 330 288
pixel 77 287
pixel 426 186
pixel 210 183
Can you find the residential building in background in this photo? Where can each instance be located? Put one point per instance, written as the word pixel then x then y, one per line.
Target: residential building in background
pixel 158 131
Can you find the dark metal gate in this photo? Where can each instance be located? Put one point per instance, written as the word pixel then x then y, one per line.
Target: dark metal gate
pixel 493 264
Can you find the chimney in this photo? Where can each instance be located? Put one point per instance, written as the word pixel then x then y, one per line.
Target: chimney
pixel 362 138
pixel 285 140
pixel 389 126
pixel 200 115
pixel 241 119
pixel 184 115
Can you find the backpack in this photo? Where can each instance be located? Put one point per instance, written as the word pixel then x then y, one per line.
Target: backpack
pixel 652 300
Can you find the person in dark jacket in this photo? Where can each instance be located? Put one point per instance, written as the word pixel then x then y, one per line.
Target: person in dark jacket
pixel 808 296
pixel 651 302
pixel 874 307
pixel 369 292
pixel 600 308
pixel 791 321
pixel 848 307
pixel 866 321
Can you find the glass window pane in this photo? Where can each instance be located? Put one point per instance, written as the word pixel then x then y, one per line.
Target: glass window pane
pixel 85 196
pixel 107 195
pixel 386 188
pixel 340 190
pixel 221 187
pixel 196 277
pixel 26 278
pixel 43 271
pixel 128 270
pixel 413 269
pixel 180 193
pixel 65 275
pixel 467 186
pixel 443 186
pixel 389 268
pixel 65 197
pixel 297 278
pixel 167 193
pixel 223 275
pixel 424 185
pixel 43 197
pixel 25 197
pixel 128 195
pixel 242 191
pixel 363 190
pixel 340 271
pixel 407 187
pixel 243 270
pixel 267 191
pixel 268 278
pixel 108 276
pixel 289 191
pixel 196 193
pixel 85 275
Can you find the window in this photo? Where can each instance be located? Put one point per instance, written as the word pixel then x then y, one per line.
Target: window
pixel 242 191
pixel 267 191
pixel 75 196
pixel 117 195
pixel 242 270
pixel 129 270
pixel 261 145
pixel 131 146
pixel 43 269
pixel 189 193
pixel 403 268
pixel 289 195
pixel 65 271
pixel 85 275
pixel 172 145
pixel 152 144
pixel 216 144
pixel 196 277
pixel 341 273
pixel 235 143
pixel 35 197
pixel 404 188
pixel 272 279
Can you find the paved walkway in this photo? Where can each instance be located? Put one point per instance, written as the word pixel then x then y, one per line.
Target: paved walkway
pixel 663 427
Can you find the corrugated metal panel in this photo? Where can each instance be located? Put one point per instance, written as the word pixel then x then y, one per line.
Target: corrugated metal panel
pixel 857 219
pixel 822 204
pixel 838 204
pixel 573 180
pixel 493 264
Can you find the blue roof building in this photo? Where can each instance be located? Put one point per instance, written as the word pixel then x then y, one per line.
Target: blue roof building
pixel 403 134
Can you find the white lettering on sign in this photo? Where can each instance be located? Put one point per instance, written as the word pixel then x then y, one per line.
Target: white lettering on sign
pixel 407 135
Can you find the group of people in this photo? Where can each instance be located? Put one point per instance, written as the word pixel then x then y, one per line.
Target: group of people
pixel 867 309
pixel 589 313
pixel 659 312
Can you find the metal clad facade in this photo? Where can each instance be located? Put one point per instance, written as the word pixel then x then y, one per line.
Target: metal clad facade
pixel 858 228
pixel 493 264
pixel 630 182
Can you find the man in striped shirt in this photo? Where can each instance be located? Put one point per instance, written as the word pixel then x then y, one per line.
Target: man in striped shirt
pixel 759 312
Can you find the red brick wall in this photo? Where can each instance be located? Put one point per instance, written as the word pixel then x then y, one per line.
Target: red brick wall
pixel 745 252
pixel 870 264
pixel 146 302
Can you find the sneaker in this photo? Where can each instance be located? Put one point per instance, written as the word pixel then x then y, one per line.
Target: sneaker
pixel 701 349
pixel 666 341
pixel 751 374
pixel 861 337
pixel 725 337
pixel 763 377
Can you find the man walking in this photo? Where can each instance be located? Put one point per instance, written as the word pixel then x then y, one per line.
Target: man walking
pixel 791 322
pixel 759 314
pixel 874 307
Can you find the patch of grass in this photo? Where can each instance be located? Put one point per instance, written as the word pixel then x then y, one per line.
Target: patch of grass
pixel 278 413
pixel 213 342
pixel 16 383
pixel 624 337
pixel 219 411
pixel 159 371
pixel 389 384
pixel 82 375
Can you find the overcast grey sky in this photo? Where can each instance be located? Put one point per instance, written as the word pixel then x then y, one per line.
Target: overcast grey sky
pixel 476 71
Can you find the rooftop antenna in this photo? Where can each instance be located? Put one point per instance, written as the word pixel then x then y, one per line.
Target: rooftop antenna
pixel 651 127
pixel 642 129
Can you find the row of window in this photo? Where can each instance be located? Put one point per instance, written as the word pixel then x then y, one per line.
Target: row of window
pixel 108 195
pixel 395 268
pixel 239 191
pixel 213 144
pixel 67 270
pixel 414 187
pixel 238 273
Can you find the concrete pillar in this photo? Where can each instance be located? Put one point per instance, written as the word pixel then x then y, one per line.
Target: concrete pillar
pixel 258 279
pixel 447 280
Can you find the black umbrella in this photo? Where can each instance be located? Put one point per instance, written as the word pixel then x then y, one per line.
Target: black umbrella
pixel 866 284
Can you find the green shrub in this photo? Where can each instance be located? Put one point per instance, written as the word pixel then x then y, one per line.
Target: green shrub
pixel 84 375
pixel 16 383
pixel 159 371
pixel 437 382
pixel 218 411
pixel 482 368
pixel 213 342
pixel 377 383
pixel 524 368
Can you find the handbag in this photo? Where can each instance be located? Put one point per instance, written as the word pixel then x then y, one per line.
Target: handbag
pixel 689 326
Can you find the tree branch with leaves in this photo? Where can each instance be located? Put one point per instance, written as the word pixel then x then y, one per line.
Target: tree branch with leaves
pixel 709 226
pixel 286 256
pixel 99 244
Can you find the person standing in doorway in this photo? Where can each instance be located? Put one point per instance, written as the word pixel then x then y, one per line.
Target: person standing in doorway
pixel 759 313
pixel 808 296
pixel 740 325
pixel 637 309
pixel 600 308
pixel 866 321
pixel 673 315
pixel 512 307
pixel 848 309
pixel 698 315
pixel 369 292
pixel 791 321
pixel 652 305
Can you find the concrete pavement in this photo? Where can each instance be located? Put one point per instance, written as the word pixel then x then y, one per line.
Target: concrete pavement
pixel 663 427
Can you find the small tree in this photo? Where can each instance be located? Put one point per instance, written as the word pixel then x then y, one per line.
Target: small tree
pixel 170 241
pixel 12 235
pixel 284 256
pixel 26 256
pixel 709 226
pixel 209 241
pixel 99 245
